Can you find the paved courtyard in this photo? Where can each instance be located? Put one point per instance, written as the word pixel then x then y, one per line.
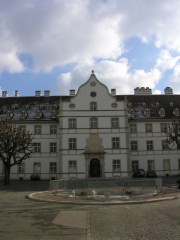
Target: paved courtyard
pixel 21 218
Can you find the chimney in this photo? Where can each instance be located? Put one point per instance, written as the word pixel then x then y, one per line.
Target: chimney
pixel 168 91
pixel 113 92
pixel 16 93
pixel 37 93
pixel 46 93
pixel 142 91
pixel 4 94
pixel 72 92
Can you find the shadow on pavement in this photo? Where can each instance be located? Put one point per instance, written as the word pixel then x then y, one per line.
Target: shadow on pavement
pixel 25 185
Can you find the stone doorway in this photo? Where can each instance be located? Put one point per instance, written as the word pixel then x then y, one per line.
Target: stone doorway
pixel 95 168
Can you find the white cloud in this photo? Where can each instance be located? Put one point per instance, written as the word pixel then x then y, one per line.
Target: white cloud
pixel 91 34
pixel 166 61
pixel 60 32
pixel 175 79
pixel 66 78
pixel 156 91
pixel 10 62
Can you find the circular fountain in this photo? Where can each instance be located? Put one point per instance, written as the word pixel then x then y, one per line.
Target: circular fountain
pixel 105 190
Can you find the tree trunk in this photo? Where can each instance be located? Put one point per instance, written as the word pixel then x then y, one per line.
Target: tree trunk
pixel 7 175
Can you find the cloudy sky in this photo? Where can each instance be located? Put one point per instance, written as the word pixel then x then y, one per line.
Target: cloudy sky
pixel 54 45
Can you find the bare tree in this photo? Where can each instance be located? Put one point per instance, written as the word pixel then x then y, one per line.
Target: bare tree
pixel 15 146
pixel 173 135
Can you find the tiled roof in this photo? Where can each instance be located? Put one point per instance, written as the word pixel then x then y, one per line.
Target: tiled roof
pixel 29 108
pixel 48 107
pixel 138 104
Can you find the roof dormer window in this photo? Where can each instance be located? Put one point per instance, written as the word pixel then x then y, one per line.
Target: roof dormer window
pixel 53 114
pixel 131 113
pixel 144 104
pixel 162 112
pixel 147 112
pixel 23 114
pixel 171 104
pixel 38 114
pixel 157 104
pixel 176 112
pixel 55 106
pixel 9 115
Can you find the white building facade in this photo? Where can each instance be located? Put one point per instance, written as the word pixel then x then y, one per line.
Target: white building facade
pixel 95 133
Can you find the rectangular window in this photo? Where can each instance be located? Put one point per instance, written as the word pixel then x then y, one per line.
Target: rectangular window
pixel 115 143
pixel 52 167
pixel 133 128
pixel 151 165
pixel 116 166
pixel 149 145
pixel 164 127
pixel 72 167
pixel 37 167
pixel 165 145
pixel 37 147
pixel 135 165
pixel 37 129
pixel 114 122
pixel 93 106
pixel 72 123
pixel 53 129
pixel 21 167
pixel 93 122
pixel 53 147
pixel 166 165
pixel 72 143
pixel 148 128
pixel 134 145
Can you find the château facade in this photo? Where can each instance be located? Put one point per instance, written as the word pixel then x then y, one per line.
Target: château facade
pixel 94 132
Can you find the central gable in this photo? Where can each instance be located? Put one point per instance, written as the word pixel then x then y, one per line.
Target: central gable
pixel 93 91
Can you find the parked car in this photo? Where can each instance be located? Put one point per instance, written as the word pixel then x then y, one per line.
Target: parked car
pixel 151 174
pixel 139 173
pixel 35 176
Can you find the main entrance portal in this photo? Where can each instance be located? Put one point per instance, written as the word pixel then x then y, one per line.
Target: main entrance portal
pixel 95 168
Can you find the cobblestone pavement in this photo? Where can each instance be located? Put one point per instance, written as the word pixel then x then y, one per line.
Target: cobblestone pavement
pixel 23 219
pixel 135 222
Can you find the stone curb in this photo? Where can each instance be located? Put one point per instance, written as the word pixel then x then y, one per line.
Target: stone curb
pixel 32 196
